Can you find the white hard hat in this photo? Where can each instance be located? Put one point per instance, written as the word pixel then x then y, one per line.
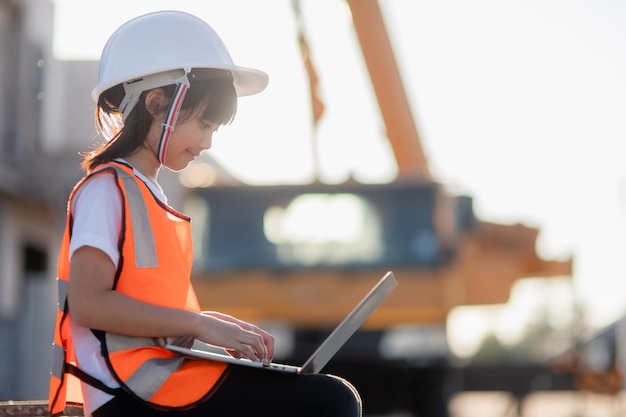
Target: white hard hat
pixel 147 49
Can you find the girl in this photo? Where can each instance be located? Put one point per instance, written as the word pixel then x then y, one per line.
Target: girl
pixel 166 84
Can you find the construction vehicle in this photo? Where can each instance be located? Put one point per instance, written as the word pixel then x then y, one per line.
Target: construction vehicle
pixel 297 258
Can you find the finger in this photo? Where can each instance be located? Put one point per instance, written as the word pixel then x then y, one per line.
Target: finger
pixel 258 350
pixel 266 351
pixel 262 352
pixel 233 353
pixel 268 344
pixel 269 349
pixel 250 353
pixel 252 347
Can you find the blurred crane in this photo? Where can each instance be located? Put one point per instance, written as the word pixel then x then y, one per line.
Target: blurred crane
pixel 387 82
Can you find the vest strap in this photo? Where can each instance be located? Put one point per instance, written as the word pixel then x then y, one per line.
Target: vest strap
pixel 85 377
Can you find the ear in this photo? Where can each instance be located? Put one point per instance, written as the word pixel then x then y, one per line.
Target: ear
pixel 156 101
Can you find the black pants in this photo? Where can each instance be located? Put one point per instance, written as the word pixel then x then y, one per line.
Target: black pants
pixel 250 392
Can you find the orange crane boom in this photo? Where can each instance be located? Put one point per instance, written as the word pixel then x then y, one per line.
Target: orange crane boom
pixel 394 105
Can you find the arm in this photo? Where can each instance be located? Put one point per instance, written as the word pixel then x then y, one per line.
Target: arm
pixel 95 305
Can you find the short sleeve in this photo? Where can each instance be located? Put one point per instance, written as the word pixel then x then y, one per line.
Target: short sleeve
pixel 97 216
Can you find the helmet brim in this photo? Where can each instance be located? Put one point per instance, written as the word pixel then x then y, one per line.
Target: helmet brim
pixel 249 81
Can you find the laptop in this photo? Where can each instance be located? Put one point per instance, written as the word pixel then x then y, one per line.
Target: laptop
pixel 325 352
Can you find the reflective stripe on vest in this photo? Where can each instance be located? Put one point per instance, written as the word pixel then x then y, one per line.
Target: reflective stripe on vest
pixel 145 247
pixel 62 294
pixel 151 376
pixel 58 360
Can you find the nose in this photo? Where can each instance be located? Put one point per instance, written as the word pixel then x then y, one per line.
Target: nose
pixel 206 141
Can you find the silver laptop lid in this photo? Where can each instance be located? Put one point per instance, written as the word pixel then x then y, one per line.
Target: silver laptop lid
pixel 350 324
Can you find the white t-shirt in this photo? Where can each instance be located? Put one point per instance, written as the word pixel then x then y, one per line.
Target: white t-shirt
pixel 97 214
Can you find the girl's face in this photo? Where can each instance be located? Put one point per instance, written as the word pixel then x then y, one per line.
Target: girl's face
pixel 189 139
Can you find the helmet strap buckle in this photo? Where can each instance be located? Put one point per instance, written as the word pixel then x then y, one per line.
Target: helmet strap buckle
pixel 172 114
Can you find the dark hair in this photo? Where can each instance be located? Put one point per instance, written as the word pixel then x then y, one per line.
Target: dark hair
pixel 213 95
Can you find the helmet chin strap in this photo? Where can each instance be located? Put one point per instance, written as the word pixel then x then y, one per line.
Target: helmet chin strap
pixel 182 85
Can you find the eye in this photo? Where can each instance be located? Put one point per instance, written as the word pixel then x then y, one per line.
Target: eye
pixel 206 124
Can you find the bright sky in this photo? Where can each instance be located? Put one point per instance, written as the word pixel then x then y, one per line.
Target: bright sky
pixel 519 104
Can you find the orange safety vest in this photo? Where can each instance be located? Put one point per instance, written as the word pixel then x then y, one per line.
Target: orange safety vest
pixel 155 266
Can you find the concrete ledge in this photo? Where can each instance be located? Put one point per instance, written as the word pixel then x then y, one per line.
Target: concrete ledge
pixel 33 409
